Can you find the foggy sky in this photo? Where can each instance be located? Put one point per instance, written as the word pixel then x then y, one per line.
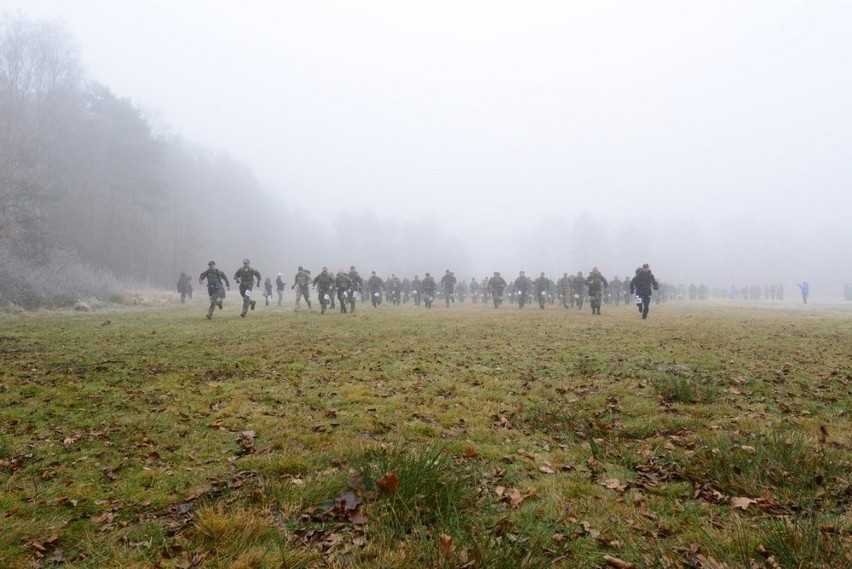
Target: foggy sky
pixel 498 120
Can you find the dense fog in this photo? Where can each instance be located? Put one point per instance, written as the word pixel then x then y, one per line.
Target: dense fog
pixel 142 140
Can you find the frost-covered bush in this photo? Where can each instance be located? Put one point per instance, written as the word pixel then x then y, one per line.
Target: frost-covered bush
pixel 54 279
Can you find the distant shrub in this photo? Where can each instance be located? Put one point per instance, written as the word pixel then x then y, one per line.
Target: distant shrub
pixel 55 279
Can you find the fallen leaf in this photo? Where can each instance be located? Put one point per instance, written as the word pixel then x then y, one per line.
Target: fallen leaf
pixel 514 498
pixel 68 441
pixel 617 563
pixel 705 562
pixel 389 482
pixel 246 441
pixel 741 502
pixel 446 546
pixel 615 484
pixel 104 518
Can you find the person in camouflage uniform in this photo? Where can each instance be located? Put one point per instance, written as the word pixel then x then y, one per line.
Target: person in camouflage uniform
pixel 448 283
pixel 596 283
pixel 475 290
pixel 616 293
pixel 375 286
pixel 521 288
pixel 542 284
pixel 215 289
pixel 578 288
pixel 357 285
pixel 496 286
pixel 343 285
pixel 303 281
pixel 416 287
pixel 324 283
pixel 406 290
pixel 461 291
pixel 184 287
pixel 563 285
pixel 428 287
pixel 394 288
pixel 245 277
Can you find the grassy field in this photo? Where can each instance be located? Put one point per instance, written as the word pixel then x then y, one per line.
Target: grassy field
pixel 707 436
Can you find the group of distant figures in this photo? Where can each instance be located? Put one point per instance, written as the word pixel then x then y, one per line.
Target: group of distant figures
pixel 571 291
pixel 770 292
pixel 348 287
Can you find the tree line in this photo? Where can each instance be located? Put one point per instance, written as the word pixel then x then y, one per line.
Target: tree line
pixel 92 199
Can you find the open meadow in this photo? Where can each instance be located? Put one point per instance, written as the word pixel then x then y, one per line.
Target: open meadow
pixel 708 436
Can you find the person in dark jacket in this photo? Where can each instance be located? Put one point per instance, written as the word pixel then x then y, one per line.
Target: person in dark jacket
pixel 596 284
pixel 357 285
pixel 279 286
pixel 496 286
pixel 522 288
pixel 641 285
pixel 184 287
pixel 375 287
pixel 448 283
pixel 428 288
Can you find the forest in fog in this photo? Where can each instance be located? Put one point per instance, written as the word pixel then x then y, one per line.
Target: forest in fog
pixel 92 195
pixel 95 196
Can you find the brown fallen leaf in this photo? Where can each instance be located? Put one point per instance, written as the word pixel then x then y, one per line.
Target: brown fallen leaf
pixel 742 502
pixel 615 484
pixel 546 468
pixel 246 441
pixel 705 562
pixel 514 498
pixel 104 518
pixel 470 452
pixel 617 563
pixel 389 482
pixel 68 441
pixel 446 546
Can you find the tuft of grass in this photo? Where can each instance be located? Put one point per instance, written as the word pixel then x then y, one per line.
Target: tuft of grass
pixel 234 530
pixel 529 544
pixel 675 388
pixel 432 491
pixel 788 465
pixel 804 543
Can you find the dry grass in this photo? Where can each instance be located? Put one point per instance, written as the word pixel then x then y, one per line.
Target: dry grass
pixel 536 438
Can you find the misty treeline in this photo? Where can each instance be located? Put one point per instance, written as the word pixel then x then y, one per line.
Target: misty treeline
pixel 92 199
